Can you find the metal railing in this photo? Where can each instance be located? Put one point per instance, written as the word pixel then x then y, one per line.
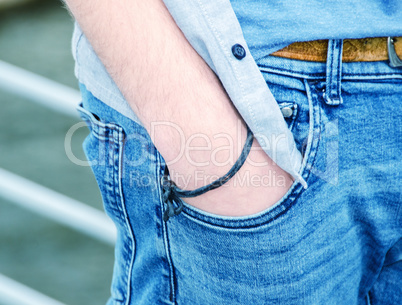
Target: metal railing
pixel 37 88
pixel 14 293
pixel 37 198
pixel 57 207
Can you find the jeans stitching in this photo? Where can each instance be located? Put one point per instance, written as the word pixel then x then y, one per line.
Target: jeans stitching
pixel 114 134
pixel 130 262
pixel 159 173
pixel 321 75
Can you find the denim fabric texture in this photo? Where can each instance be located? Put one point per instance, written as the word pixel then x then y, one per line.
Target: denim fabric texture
pixel 337 242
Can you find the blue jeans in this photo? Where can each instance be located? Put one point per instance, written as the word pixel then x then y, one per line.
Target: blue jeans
pixel 337 242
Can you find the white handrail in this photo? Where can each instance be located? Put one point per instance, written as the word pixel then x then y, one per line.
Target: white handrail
pixel 40 89
pixel 57 207
pixel 14 293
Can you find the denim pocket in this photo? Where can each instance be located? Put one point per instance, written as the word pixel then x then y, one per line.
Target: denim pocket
pixel 242 258
pixel 303 118
pixel 103 148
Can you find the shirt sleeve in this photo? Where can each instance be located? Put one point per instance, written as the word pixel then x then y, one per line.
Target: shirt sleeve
pixel 212 28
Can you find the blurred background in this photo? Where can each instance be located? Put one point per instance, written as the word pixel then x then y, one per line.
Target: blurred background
pixel 36 251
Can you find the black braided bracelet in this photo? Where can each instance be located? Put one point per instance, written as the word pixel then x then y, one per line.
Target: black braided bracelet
pixel 171 194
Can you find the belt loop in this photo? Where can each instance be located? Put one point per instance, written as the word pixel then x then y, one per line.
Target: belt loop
pixel 332 93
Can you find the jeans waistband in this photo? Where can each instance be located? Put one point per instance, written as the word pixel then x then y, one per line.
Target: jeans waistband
pixel 365 49
pixel 333 71
pixel 318 70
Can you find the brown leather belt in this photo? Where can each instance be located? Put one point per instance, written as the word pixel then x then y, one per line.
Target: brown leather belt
pixel 367 49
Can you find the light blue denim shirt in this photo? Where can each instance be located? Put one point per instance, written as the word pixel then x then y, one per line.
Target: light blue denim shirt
pixel 213 36
pixel 215 32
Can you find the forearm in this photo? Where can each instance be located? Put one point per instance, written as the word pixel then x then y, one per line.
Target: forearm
pixel 158 72
pixel 165 80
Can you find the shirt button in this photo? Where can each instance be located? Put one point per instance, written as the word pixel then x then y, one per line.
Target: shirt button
pixel 238 51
